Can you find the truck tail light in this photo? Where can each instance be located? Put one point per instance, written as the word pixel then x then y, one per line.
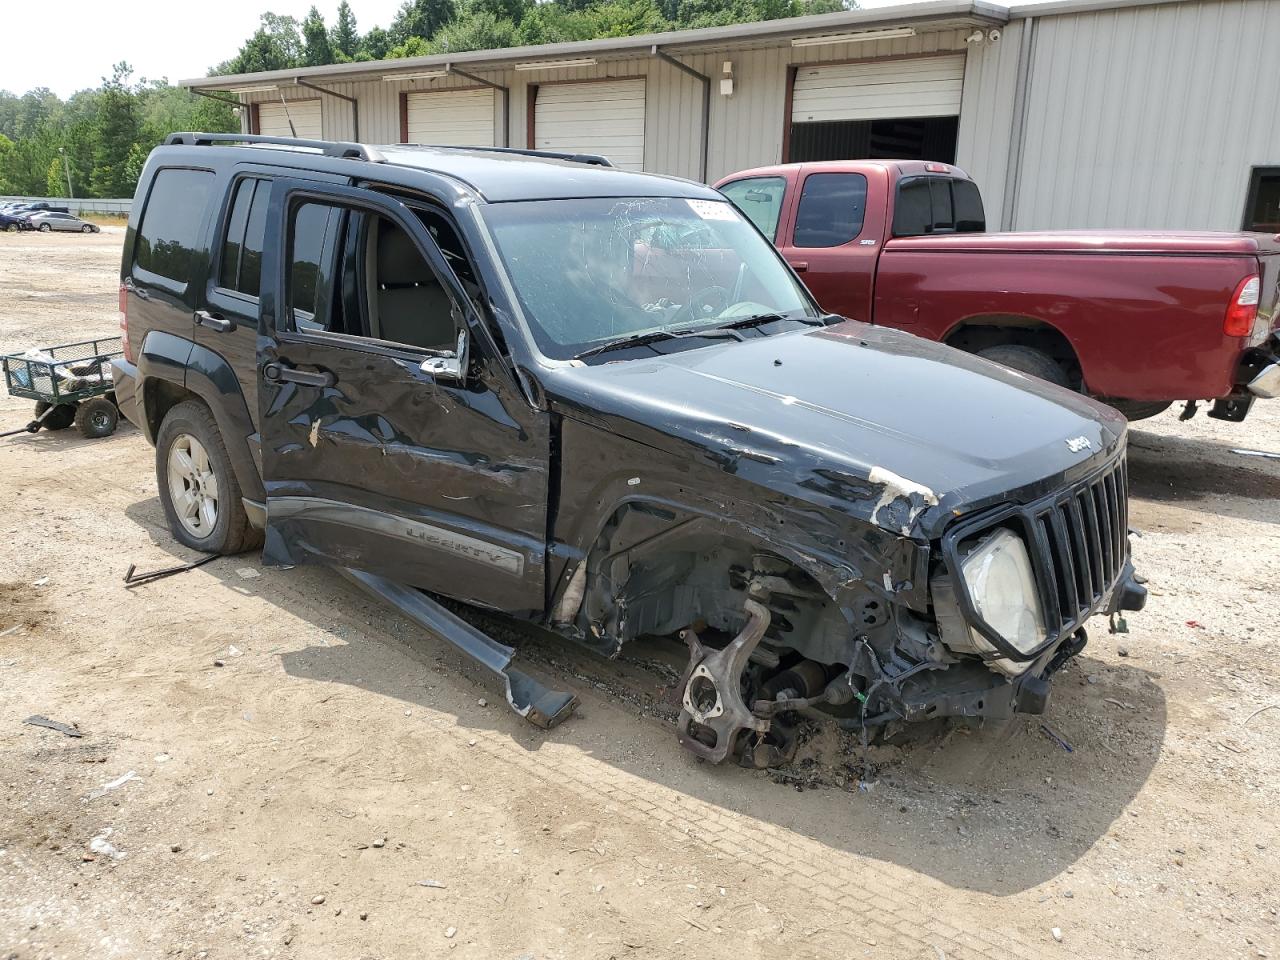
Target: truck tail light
pixel 1242 311
pixel 124 322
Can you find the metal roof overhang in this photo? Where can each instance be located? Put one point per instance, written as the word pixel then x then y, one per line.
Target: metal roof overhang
pixel 936 14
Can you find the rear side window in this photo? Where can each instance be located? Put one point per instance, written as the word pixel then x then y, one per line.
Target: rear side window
pixel 166 241
pixel 760 201
pixel 929 205
pixel 832 208
pixel 241 267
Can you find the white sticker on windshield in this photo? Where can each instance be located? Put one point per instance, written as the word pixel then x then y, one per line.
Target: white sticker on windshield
pixel 712 209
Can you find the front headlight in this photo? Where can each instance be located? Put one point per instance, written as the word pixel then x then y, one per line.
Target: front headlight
pixel 1002 588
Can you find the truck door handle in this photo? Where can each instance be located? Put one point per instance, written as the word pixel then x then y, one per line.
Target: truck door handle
pixel 214 322
pixel 278 373
pixel 800 266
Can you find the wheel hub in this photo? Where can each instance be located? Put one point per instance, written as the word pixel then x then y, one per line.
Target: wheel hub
pixel 193 488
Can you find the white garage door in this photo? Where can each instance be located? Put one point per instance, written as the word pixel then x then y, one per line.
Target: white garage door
pixel 927 87
pixel 274 121
pixel 455 118
pixel 605 118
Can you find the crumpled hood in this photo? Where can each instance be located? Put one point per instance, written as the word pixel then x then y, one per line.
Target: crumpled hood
pixel 902 431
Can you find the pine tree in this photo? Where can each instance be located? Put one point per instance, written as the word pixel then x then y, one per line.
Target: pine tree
pixel 316 49
pixel 345 38
pixel 118 129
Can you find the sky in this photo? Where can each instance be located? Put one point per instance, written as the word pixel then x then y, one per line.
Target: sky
pixel 171 39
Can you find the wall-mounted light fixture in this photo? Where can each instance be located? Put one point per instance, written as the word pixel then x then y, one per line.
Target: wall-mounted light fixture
pixel 726 82
pixel 556 64
pixel 861 37
pixel 424 75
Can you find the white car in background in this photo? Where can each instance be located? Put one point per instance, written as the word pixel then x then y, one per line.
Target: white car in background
pixel 47 221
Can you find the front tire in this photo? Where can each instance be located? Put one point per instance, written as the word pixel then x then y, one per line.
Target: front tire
pixel 198 487
pixel 87 228
pixel 1027 360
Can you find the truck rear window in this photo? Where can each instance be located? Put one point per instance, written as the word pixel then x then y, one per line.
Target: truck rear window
pixel 928 205
pixel 171 223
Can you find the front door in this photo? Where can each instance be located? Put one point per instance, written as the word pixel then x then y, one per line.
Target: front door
pixel 394 439
pixel 835 241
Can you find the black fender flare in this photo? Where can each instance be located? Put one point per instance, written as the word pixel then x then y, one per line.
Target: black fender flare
pixel 207 375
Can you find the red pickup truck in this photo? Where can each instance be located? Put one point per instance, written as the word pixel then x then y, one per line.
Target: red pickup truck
pixel 1138 319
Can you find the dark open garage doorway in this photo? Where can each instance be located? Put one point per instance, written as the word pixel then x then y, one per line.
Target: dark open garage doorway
pixel 916 138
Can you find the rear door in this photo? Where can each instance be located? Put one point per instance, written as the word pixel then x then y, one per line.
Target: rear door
pixel 227 320
pixel 385 447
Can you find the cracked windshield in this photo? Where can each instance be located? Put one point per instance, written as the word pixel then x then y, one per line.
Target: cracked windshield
pixel 594 274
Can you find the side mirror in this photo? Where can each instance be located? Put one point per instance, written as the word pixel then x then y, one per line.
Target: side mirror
pixel 448 366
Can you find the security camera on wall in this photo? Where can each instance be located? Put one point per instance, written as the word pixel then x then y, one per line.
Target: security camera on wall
pixel 994 36
pixel 976 37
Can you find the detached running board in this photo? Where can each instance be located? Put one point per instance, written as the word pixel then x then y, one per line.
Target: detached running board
pixel 539 705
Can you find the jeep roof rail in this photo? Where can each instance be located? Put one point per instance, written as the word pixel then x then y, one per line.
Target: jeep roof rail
pixel 594 159
pixel 330 148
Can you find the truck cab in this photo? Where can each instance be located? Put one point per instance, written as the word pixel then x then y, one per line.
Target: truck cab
pixel 1137 319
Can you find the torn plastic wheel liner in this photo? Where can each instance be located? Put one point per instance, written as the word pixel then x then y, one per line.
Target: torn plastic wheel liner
pixel 538 704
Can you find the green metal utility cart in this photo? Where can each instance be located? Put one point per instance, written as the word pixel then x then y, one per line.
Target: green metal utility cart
pixel 71 384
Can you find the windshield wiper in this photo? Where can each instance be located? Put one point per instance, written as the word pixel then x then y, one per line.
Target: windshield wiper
pixel 759 319
pixel 656 336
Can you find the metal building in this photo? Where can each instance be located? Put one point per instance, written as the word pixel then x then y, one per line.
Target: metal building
pixel 1078 113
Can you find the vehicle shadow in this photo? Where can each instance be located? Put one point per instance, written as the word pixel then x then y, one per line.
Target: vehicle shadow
pixel 1204 476
pixel 997 810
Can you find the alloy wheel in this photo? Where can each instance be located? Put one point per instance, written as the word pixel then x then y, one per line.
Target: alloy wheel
pixel 193 488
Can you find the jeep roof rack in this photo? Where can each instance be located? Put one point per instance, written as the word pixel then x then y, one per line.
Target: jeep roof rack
pixel 330 148
pixel 594 159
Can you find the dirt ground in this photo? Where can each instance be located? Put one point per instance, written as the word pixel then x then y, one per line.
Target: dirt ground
pixel 296 800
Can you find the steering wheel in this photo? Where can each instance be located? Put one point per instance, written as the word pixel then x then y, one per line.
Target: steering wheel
pixel 707 302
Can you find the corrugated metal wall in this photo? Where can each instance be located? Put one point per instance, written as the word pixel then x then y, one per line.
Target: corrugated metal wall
pixel 986 116
pixel 746 128
pixel 1149 116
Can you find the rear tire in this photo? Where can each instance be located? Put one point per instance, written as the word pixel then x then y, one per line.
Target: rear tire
pixel 64 414
pixel 45 228
pixel 97 418
pixel 198 487
pixel 1027 360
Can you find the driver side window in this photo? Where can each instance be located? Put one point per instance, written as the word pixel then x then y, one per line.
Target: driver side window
pixel 362 275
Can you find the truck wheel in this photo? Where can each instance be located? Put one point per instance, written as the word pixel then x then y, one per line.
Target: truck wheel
pixel 1140 409
pixel 64 414
pixel 1027 360
pixel 198 488
pixel 96 418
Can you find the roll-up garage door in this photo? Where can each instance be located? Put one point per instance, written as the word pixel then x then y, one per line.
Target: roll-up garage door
pixel 273 121
pixel 605 118
pixel 924 87
pixel 454 118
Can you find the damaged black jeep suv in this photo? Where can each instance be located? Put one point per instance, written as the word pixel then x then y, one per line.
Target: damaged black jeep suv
pixel 599 401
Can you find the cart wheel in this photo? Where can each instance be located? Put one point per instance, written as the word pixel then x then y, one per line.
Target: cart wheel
pixel 63 416
pixel 97 418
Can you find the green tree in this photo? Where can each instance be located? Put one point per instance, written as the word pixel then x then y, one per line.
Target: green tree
pixel 6 158
pixel 55 184
pixel 275 45
pixel 316 49
pixel 376 44
pixel 345 38
pixel 422 19
pixel 118 129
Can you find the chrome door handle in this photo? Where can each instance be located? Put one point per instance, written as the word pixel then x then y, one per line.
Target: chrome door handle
pixel 214 322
